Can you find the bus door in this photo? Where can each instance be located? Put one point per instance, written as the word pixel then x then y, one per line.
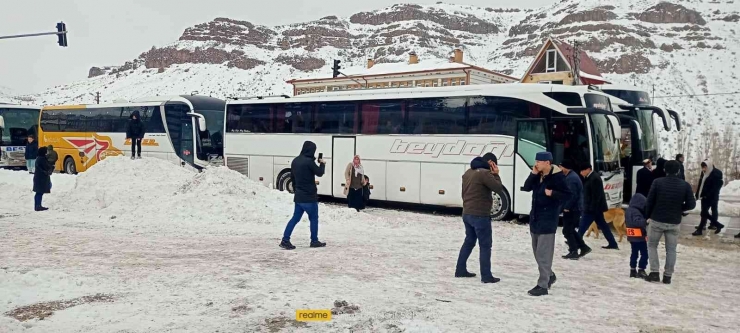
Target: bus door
pixel 531 138
pixel 631 156
pixel 180 127
pixel 343 151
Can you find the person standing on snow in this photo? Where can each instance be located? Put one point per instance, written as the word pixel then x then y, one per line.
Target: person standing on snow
pixel 304 172
pixel 644 178
pixel 669 197
pixel 572 210
pixel 135 131
pixel 594 203
pixel 681 171
pixel 634 220
pixel 710 184
pixel 549 193
pixel 51 156
pixel 32 151
pixel 659 171
pixel 354 176
pixel 41 179
pixel 478 184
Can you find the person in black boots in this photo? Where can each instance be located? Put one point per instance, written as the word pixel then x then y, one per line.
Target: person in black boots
pixel 549 193
pixel 594 206
pixel 644 178
pixel 41 179
pixel 634 220
pixel 710 184
pixel 478 184
pixel 304 172
pixel 668 198
pixel 135 131
pixel 572 212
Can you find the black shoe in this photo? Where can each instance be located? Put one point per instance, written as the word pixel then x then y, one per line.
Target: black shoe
pixel 553 278
pixel 611 247
pixel 666 279
pixel 719 229
pixel 697 232
pixel 712 227
pixel 464 275
pixel 584 251
pixel 633 273
pixel 287 245
pixel 538 291
pixel 317 244
pixel 573 255
pixel 653 277
pixel 684 214
pixel 737 236
pixel 40 209
pixel 641 274
pixel 491 280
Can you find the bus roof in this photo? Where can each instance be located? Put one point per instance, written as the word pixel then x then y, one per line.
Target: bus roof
pixel 18 106
pixel 620 87
pixel 195 102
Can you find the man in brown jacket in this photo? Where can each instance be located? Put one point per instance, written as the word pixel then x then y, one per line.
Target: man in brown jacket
pixel 478 183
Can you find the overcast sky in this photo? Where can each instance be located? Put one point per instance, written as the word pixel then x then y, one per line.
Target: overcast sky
pixel 106 32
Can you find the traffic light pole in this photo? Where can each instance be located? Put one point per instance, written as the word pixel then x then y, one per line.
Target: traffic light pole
pixel 34 35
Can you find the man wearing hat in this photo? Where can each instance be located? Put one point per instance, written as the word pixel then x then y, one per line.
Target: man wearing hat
pixel 478 183
pixel 644 178
pixel 572 210
pixel 549 193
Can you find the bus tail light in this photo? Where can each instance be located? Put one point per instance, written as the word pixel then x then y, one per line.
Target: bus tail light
pixel 403 189
pixel 442 192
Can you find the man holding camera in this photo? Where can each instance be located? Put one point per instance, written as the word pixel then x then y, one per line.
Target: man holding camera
pixel 303 173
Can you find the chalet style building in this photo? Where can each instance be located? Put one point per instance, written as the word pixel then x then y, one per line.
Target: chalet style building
pixel 555 63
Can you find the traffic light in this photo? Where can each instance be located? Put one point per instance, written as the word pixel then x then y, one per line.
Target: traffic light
pixel 336 68
pixel 62 34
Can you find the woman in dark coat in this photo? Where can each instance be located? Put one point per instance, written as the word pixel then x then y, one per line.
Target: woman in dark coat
pixel 41 179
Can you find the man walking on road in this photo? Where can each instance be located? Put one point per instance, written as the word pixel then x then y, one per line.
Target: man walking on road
pixel 710 184
pixel 644 178
pixel 478 184
pixel 594 203
pixel 304 172
pixel 572 212
pixel 668 198
pixel 549 192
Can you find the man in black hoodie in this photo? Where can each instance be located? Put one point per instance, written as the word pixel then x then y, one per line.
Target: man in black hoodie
pixel 710 184
pixel 135 131
pixel 304 171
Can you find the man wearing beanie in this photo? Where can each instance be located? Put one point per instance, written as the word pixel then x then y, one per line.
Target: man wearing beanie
pixel 669 197
pixel 549 193
pixel 478 183
pixel 572 212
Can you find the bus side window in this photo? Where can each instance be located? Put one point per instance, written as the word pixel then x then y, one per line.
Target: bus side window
pixel 382 117
pixel 155 124
pixel 437 116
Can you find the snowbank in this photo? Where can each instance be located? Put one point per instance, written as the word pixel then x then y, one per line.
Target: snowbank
pixel 16 190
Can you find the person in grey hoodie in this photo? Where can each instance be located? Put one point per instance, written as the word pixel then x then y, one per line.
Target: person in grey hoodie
pixel 634 219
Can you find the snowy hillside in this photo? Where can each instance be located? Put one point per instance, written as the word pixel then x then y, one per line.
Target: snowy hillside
pixel 676 48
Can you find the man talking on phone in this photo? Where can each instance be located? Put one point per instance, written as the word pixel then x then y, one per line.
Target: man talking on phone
pixel 549 192
pixel 478 184
pixel 304 171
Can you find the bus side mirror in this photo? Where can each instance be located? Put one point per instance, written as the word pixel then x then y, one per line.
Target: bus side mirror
pixel 2 122
pixel 202 124
pixel 616 128
pixel 637 126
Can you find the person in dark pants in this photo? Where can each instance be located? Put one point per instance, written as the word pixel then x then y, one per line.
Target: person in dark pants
pixel 594 203
pixel 644 178
pixel 549 193
pixel 41 179
pixel 634 220
pixel 669 197
pixel 681 171
pixel 572 212
pixel 135 131
pixel 31 153
pixel 710 184
pixel 304 172
pixel 366 190
pixel 478 184
pixel 354 176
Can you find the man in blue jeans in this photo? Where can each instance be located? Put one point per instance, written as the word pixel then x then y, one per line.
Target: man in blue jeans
pixel 303 173
pixel 478 184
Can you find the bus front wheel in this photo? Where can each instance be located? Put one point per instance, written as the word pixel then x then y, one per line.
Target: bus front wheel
pixel 501 208
pixel 69 166
pixel 285 182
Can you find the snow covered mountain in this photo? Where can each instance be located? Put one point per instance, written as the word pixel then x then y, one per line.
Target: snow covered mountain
pixel 676 48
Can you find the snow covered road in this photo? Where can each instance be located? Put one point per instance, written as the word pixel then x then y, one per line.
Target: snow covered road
pixel 186 262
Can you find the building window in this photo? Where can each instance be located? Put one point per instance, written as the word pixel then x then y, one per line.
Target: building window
pixel 551 61
pixel 445 82
pixel 435 83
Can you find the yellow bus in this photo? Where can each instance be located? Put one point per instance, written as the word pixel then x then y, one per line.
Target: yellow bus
pixel 187 130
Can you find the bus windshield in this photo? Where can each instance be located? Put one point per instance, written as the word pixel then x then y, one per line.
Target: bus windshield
pixel 605 145
pixel 645 118
pixel 212 140
pixel 19 123
pixel 631 96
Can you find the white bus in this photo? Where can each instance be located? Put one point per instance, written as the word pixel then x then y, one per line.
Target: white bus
pixel 639 132
pixel 187 130
pixel 17 122
pixel 415 143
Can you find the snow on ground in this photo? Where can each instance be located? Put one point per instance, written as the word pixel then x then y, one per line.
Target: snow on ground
pixel 187 252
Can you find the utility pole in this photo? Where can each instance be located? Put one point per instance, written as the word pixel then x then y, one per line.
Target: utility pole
pixel 97 97
pixel 576 63
pixel 61 34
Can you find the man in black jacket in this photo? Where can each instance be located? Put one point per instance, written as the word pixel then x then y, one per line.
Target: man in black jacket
pixel 572 210
pixel 710 184
pixel 594 206
pixel 549 193
pixel 644 178
pixel 135 131
pixel 681 171
pixel 304 171
pixel 668 198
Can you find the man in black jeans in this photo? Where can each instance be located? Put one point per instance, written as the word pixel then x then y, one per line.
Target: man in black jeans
pixel 135 132
pixel 710 184
pixel 594 203
pixel 572 212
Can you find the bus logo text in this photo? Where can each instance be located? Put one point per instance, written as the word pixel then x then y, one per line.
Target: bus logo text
pixel 461 147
